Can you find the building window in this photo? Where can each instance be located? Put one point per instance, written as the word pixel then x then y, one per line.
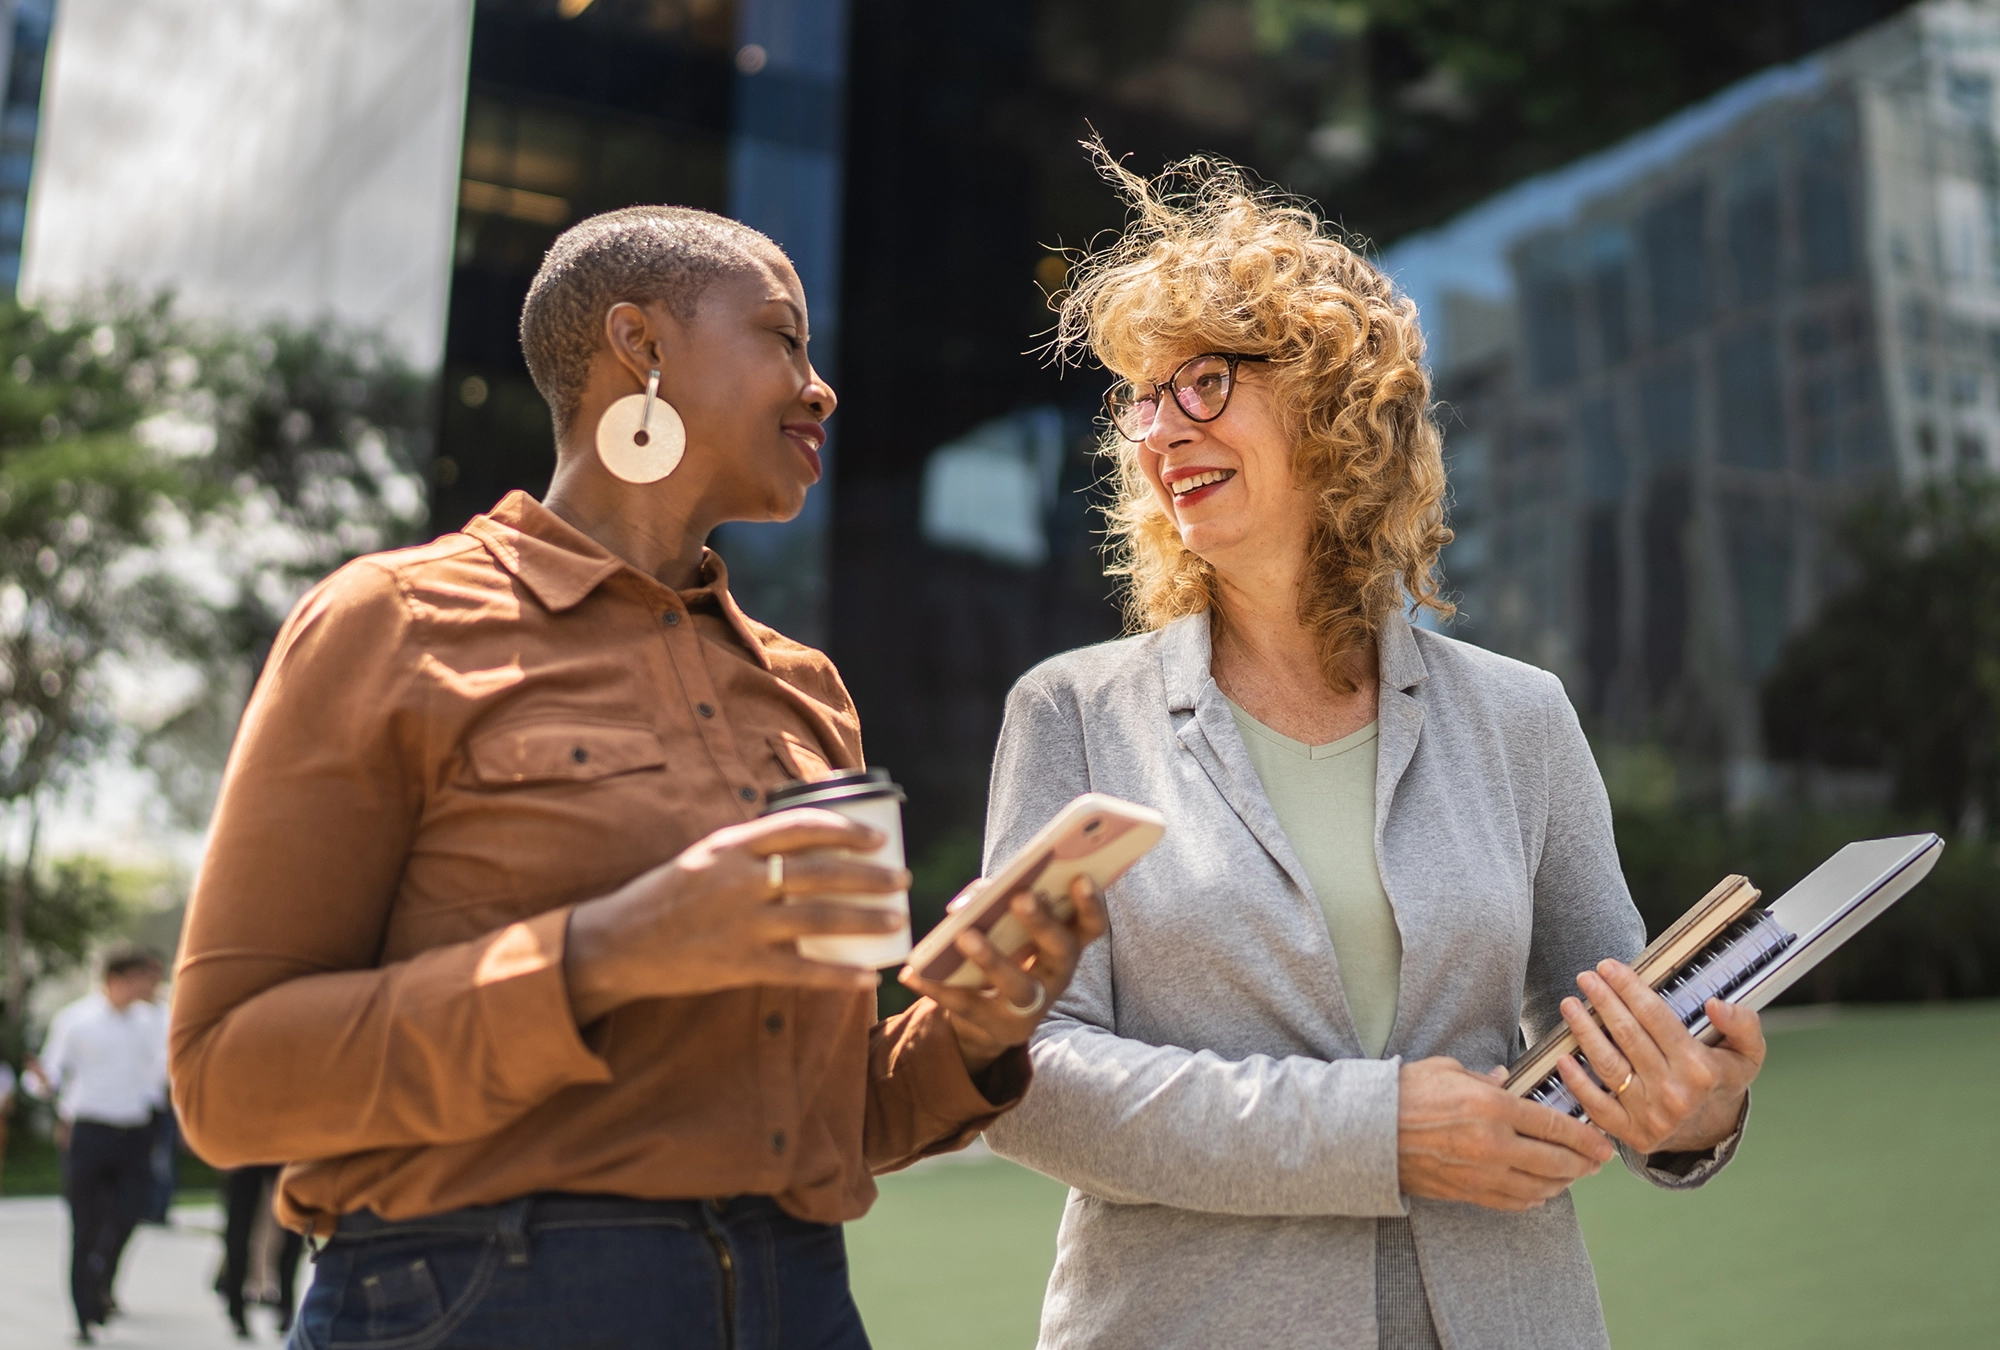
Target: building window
pixel 1666 406
pixel 1964 387
pixel 1610 286
pixel 1921 383
pixel 1676 270
pixel 1751 224
pixel 1549 310
pixel 1971 448
pixel 1604 461
pixel 1926 441
pixel 1826 194
pixel 1753 423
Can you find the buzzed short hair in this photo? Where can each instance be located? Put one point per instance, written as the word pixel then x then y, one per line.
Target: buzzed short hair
pixel 640 254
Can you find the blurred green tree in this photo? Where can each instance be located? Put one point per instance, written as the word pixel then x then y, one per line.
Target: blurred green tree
pixel 167 489
pixel 1901 670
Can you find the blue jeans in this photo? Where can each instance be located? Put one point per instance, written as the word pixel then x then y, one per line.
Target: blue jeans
pixel 575 1273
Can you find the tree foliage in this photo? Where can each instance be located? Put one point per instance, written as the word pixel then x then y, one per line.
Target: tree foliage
pixel 167 489
pixel 1901 670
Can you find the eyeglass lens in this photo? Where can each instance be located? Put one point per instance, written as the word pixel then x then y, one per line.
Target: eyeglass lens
pixel 1201 387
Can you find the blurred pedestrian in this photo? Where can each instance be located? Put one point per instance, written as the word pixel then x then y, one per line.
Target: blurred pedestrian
pixel 7 1082
pixel 105 1063
pixel 246 1198
pixel 162 1158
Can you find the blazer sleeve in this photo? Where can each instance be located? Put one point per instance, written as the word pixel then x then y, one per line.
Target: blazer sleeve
pixel 1584 913
pixel 1153 1124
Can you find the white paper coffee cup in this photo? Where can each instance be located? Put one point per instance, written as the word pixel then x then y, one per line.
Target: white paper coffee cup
pixel 870 798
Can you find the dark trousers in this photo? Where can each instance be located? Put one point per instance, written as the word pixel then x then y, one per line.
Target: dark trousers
pixel 107 1175
pixel 584 1273
pixel 243 1196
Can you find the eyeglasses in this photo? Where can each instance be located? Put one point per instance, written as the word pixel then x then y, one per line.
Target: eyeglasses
pixel 1201 386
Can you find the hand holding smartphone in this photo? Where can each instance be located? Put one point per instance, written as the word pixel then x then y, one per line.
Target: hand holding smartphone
pixel 1096 836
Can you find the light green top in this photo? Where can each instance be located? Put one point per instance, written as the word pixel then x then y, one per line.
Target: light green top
pixel 1324 797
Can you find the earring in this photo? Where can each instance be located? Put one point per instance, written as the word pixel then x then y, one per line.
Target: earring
pixel 641 437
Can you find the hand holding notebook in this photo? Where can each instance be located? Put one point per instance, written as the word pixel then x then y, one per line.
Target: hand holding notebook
pixel 1724 949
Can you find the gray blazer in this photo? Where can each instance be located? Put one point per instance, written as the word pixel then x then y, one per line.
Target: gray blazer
pixel 1201 1087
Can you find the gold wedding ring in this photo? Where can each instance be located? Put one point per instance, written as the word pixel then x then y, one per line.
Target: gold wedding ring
pixel 1619 1091
pixel 774 874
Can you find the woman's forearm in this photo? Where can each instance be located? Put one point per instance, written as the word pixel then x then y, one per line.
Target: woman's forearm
pixel 1145 1124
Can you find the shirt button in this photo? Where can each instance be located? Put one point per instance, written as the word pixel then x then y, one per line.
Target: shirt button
pixel 671 618
pixel 704 710
pixel 775 1023
pixel 747 794
pixel 778 1142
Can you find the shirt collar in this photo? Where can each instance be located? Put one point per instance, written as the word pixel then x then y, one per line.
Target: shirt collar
pixel 556 561
pixel 562 565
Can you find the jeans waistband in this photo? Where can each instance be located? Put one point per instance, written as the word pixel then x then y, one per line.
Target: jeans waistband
pixel 555 1209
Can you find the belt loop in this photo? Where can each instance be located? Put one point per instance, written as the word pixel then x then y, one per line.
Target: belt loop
pixel 513 1230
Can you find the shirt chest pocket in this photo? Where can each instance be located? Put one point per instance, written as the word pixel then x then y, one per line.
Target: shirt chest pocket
pixel 799 759
pixel 561 752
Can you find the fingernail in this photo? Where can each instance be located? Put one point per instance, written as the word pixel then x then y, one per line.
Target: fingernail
pixel 1022 905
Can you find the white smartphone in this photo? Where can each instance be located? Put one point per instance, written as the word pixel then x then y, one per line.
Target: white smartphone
pixel 1095 836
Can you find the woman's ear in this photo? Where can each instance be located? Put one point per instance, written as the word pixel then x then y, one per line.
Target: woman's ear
pixel 634 338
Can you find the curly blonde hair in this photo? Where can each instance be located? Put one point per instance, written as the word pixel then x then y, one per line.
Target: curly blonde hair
pixel 1211 262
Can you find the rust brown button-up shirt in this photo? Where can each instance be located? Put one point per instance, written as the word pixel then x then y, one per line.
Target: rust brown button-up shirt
pixel 449 747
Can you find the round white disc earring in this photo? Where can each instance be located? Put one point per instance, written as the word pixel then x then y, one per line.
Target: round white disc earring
pixel 641 437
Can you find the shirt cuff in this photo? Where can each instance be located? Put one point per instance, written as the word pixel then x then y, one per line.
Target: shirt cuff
pixel 523 1000
pixel 918 1063
pixel 1686 1171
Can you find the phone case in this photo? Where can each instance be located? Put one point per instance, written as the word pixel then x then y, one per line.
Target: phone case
pixel 1096 835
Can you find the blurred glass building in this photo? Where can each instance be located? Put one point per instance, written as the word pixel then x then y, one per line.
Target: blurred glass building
pixel 403 164
pixel 24 47
pixel 1668 368
pixel 574 107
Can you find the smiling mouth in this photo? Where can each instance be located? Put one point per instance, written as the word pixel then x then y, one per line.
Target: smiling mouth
pixel 1180 487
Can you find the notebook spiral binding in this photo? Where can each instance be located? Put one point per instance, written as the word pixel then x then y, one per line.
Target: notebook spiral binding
pixel 1726 965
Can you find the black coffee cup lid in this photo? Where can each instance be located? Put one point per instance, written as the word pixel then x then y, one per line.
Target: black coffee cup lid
pixel 839 787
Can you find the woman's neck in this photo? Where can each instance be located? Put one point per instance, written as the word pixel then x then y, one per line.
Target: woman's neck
pixel 660 533
pixel 1269 663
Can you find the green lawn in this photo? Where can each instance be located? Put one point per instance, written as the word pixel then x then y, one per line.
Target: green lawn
pixel 1864 1211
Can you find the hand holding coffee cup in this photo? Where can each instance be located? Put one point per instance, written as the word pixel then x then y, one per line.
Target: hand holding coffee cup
pixel 867 797
pixel 711 920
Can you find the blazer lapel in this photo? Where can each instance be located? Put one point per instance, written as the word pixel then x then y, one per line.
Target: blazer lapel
pixel 1205 727
pixel 1401 714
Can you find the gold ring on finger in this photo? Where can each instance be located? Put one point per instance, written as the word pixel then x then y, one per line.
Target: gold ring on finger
pixel 1041 1002
pixel 1619 1091
pixel 774 874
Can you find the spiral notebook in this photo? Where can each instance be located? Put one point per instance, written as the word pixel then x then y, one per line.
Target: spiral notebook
pixel 1728 948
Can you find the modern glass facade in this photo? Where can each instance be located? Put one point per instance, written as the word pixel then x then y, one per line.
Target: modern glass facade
pixel 25 57
pixel 1703 346
pixel 569 111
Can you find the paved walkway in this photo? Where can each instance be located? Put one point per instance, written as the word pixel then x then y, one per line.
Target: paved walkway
pixel 165 1284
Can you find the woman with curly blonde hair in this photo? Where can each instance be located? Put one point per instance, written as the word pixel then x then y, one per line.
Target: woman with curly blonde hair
pixel 1273 1086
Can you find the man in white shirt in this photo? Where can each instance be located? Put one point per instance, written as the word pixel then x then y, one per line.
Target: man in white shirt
pixel 105 1060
